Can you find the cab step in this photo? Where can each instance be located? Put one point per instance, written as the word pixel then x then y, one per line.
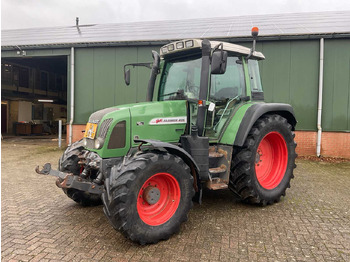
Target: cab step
pixel 216 184
pixel 217 171
pixel 214 158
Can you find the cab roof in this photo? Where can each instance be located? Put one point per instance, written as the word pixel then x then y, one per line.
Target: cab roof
pixel 186 45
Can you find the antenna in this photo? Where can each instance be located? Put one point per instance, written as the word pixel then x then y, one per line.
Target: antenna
pixel 77 24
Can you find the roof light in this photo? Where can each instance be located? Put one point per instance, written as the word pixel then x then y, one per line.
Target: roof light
pixel 255 31
pixel 179 45
pixel 171 47
pixel 165 50
pixel 189 43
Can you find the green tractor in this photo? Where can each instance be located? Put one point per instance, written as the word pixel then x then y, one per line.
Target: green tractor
pixel 204 125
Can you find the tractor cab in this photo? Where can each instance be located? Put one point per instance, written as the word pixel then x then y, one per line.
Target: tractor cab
pixel 181 69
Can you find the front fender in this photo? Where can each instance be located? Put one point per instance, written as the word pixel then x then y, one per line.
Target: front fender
pixel 173 149
pixel 253 113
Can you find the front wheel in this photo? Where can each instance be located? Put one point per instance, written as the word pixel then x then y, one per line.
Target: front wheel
pixel 261 171
pixel 148 196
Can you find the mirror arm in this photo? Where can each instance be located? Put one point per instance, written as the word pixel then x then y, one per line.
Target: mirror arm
pixel 148 65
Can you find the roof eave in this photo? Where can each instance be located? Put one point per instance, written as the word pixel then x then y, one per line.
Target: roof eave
pixel 163 41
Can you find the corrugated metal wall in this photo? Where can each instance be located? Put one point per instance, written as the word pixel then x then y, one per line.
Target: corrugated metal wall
pixel 336 96
pixel 99 79
pixel 290 75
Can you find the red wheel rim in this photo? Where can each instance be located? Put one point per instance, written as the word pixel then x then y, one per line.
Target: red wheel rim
pixel 158 199
pixel 271 160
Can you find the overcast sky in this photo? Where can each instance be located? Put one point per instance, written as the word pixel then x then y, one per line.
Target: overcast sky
pixel 46 13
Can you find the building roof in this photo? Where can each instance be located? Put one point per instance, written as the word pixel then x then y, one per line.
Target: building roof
pixel 236 28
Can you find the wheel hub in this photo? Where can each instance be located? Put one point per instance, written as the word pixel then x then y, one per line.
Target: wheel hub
pixel 151 195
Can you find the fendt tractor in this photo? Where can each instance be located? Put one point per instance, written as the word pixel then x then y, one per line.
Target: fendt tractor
pixel 204 125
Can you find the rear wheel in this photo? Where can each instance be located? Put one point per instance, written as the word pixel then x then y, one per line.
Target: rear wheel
pixel 69 163
pixel 148 196
pixel 262 169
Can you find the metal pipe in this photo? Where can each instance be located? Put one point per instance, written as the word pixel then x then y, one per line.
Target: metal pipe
pixel 71 95
pixel 59 133
pixel 320 91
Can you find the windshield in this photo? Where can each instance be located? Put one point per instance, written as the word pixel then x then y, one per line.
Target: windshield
pixel 181 79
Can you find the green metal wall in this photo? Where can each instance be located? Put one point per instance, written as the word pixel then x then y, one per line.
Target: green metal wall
pixel 336 94
pixel 99 79
pixel 290 74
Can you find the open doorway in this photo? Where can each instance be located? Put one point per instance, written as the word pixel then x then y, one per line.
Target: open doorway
pixel 33 95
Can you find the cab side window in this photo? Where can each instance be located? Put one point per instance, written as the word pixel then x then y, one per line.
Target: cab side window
pixel 254 75
pixel 230 84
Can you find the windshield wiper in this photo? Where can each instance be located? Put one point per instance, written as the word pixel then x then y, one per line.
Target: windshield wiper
pixel 178 92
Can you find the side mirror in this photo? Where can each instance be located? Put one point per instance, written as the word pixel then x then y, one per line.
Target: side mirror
pixel 219 62
pixel 127 77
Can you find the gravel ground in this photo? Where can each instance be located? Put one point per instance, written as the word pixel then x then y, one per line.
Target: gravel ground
pixel 39 223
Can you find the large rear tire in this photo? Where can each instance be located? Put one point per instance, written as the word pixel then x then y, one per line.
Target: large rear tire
pixel 262 169
pixel 148 196
pixel 69 163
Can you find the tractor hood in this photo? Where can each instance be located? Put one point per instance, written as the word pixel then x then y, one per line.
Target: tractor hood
pixel 117 127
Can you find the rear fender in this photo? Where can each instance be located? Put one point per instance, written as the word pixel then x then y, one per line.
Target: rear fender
pixel 254 112
pixel 245 117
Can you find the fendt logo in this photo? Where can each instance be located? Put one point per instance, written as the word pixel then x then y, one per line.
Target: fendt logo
pixel 168 120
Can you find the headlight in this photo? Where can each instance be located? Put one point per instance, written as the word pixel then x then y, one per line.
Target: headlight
pixel 85 141
pixel 98 143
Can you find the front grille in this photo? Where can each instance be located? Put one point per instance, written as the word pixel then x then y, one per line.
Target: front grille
pixel 104 128
pixel 97 116
pixel 118 136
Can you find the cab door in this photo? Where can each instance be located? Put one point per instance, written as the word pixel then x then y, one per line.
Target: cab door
pixel 225 92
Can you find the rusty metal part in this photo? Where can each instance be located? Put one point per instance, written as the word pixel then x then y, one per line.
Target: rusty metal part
pixel 82 162
pixel 220 158
pixel 216 170
pixel 217 184
pixel 223 152
pixel 68 180
pixel 139 146
pixel 82 157
pixel 215 154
